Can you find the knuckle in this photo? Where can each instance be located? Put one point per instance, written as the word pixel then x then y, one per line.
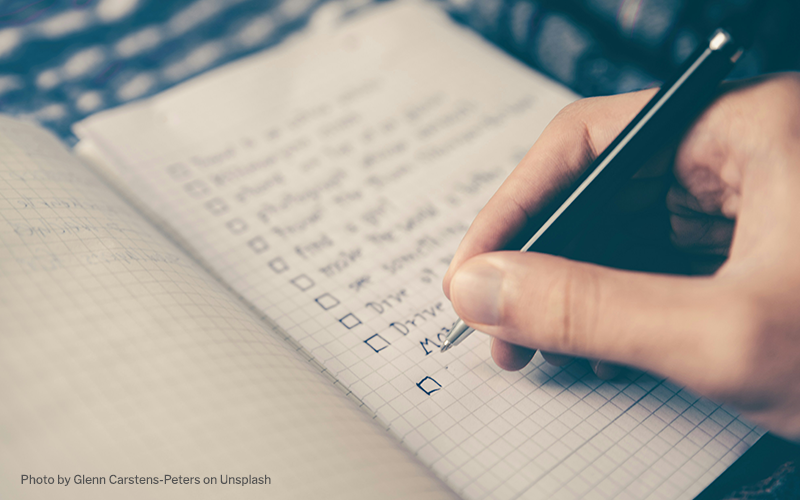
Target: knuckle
pixel 700 236
pixel 571 307
pixel 573 109
pixel 576 111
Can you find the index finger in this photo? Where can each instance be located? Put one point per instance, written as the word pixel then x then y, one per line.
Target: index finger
pixel 566 147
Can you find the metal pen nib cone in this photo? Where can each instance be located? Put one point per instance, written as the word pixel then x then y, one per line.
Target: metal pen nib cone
pixel 458 333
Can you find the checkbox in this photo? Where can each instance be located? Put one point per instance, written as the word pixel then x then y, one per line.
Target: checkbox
pixel 236 226
pixel 278 265
pixel 377 343
pixel 327 301
pixel 350 321
pixel 197 188
pixel 303 282
pixel 178 171
pixel 217 206
pixel 258 245
pixel 428 385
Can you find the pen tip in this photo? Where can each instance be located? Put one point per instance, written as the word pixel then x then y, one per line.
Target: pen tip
pixel 447 345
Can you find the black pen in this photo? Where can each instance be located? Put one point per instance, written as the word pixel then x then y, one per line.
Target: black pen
pixel 663 120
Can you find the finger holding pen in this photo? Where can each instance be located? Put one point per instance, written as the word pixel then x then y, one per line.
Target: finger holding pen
pixel 567 146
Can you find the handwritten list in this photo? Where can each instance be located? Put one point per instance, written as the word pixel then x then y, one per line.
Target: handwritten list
pixel 328 183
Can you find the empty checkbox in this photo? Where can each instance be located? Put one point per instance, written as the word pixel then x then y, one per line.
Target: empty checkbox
pixel 303 282
pixel 278 265
pixel 217 206
pixel 327 301
pixel 350 321
pixel 258 244
pixel 236 226
pixel 428 385
pixel 197 189
pixel 377 343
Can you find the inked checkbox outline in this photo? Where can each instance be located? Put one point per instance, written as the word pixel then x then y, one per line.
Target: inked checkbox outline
pixel 278 265
pixel 237 225
pixel 327 301
pixel 369 343
pixel 349 324
pixel 217 206
pixel 197 188
pixel 258 244
pixel 178 171
pixel 419 384
pixel 303 282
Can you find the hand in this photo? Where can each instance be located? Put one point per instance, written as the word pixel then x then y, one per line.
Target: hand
pixel 729 196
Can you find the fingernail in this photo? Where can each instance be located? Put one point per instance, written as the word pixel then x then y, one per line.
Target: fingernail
pixel 475 289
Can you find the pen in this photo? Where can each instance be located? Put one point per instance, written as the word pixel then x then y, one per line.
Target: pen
pixel 668 115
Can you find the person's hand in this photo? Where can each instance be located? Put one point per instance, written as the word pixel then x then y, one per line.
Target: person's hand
pixel 731 196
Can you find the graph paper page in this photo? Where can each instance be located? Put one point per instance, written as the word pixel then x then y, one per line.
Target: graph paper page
pixel 329 182
pixel 120 356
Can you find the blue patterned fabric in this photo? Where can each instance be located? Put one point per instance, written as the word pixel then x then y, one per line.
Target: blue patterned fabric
pixel 61 60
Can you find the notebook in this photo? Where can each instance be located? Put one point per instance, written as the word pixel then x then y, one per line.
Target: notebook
pixel 233 289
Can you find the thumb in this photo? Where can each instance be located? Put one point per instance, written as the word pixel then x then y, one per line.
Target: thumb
pixel 653 322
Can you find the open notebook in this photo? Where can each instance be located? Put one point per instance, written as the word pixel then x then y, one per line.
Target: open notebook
pixel 234 266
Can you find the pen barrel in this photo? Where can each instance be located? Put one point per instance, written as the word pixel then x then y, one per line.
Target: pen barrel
pixel 661 123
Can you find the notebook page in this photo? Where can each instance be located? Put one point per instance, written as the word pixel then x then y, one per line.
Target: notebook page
pixel 120 357
pixel 330 180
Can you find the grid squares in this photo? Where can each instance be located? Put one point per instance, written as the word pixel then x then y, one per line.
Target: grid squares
pixel 167 317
